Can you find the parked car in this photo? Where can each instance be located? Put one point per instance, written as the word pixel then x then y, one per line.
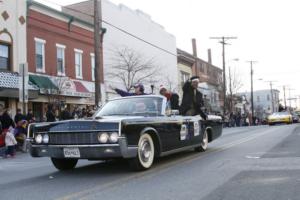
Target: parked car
pixel 136 128
pixel 295 118
pixel 280 117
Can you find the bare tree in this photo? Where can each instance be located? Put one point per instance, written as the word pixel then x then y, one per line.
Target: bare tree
pixel 131 67
pixel 234 84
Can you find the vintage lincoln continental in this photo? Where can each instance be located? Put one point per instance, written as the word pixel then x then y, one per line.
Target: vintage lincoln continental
pixel 137 128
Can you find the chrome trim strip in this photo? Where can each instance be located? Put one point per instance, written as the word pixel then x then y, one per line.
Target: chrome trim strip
pixel 179 150
pixel 88 131
pixel 83 145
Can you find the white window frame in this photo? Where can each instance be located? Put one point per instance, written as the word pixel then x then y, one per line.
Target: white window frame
pixel 79 51
pixel 63 47
pixel 93 67
pixel 43 42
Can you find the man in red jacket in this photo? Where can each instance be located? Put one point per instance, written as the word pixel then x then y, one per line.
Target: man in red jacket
pixel 173 98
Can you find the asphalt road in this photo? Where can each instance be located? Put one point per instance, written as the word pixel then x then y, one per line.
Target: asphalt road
pixel 259 163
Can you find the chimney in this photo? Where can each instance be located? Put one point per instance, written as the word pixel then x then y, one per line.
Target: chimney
pixel 209 55
pixel 194 47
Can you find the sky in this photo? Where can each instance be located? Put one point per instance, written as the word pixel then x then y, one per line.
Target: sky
pixel 267 32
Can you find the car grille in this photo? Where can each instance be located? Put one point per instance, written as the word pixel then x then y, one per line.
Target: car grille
pixel 73 138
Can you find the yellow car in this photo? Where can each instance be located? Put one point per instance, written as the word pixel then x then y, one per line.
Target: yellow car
pixel 280 117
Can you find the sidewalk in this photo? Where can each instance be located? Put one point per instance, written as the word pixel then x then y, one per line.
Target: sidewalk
pixel 18 153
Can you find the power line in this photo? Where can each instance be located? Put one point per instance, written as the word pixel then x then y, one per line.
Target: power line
pixel 115 27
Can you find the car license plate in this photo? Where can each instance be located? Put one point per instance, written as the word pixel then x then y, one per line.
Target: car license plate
pixel 71 153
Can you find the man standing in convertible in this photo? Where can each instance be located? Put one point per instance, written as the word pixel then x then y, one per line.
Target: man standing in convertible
pixel 138 90
pixel 192 99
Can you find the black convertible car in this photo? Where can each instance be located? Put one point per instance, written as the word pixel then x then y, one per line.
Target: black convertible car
pixel 137 128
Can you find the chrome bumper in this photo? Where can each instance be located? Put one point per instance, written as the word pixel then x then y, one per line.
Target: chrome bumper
pixel 93 151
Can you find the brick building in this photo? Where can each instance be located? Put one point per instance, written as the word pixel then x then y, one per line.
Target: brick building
pixel 60 58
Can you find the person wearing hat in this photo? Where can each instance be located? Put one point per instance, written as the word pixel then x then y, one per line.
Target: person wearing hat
pixel 192 99
pixel 138 90
pixel 173 98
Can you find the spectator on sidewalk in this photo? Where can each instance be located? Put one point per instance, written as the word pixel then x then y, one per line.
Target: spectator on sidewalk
pixel 6 120
pixel 50 114
pixel 30 117
pixel 19 116
pixel 65 114
pixel 10 142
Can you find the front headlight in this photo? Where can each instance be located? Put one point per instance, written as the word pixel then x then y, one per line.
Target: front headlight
pixel 103 137
pixel 46 138
pixel 114 137
pixel 38 138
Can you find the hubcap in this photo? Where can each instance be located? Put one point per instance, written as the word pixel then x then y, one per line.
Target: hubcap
pixel 204 140
pixel 145 150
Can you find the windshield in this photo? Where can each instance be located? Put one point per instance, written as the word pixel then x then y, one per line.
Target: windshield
pixel 143 106
pixel 281 113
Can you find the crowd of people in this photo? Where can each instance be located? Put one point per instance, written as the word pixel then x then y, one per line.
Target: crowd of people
pixel 13 131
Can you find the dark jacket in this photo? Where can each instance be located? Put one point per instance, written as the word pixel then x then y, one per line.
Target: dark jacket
pixel 19 117
pixel 174 100
pixel 65 115
pixel 7 121
pixel 189 99
pixel 50 116
pixel 30 117
pixel 123 93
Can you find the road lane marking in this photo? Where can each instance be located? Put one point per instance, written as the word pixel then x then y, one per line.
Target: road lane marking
pixel 164 167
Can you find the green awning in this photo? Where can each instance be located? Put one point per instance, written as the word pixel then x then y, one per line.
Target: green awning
pixel 43 82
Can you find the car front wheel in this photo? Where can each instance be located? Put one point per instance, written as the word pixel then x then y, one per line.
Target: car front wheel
pixel 204 143
pixel 145 154
pixel 64 164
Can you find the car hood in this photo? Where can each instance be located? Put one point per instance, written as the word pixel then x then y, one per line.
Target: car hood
pixel 107 123
pixel 279 116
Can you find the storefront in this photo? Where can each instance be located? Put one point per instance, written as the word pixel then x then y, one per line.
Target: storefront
pixel 60 92
pixel 9 91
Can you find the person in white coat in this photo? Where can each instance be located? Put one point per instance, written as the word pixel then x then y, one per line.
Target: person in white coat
pixel 10 142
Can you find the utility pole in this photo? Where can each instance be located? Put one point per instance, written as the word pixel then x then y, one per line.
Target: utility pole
pixel 97 47
pixel 284 97
pixel 251 73
pixel 223 40
pixel 272 94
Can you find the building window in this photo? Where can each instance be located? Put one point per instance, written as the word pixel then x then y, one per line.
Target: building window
pixel 60 59
pixel 268 97
pixel 93 66
pixel 4 56
pixel 78 63
pixel 258 98
pixel 184 77
pixel 40 55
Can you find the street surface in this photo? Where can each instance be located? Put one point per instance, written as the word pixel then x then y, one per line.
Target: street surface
pixel 259 163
